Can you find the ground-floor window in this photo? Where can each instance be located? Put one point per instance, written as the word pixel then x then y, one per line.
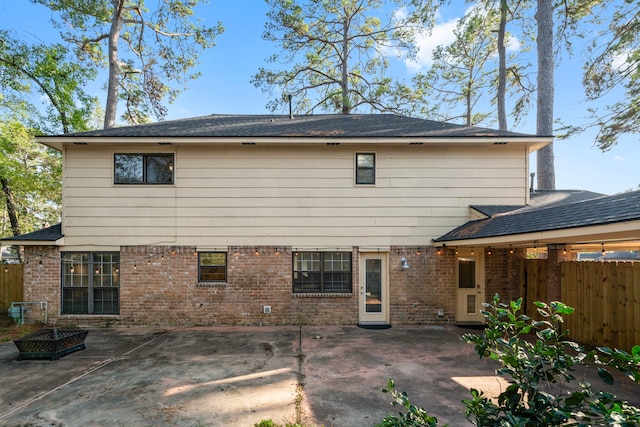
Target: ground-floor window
pixel 321 272
pixel 212 267
pixel 90 283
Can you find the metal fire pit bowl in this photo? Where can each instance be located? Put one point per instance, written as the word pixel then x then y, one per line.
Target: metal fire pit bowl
pixel 50 343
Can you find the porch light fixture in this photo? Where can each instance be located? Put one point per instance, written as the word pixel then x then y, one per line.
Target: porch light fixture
pixel 404 263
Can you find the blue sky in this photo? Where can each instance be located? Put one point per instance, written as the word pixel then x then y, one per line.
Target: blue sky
pixel 225 88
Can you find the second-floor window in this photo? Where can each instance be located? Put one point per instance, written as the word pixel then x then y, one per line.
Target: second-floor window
pixel 143 168
pixel 365 168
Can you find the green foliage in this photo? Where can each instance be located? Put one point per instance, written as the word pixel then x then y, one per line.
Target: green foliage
pixel 336 54
pixel 145 48
pixel 544 390
pixel 612 69
pixel 461 83
pixel 34 174
pixel 33 71
pixel 414 416
pixel 539 361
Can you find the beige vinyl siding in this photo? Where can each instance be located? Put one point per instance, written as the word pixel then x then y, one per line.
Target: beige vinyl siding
pixel 301 196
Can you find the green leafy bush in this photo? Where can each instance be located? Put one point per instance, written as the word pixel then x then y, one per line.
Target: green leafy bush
pixel 540 362
pixel 413 417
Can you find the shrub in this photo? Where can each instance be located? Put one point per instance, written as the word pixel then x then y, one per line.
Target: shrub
pixel 540 362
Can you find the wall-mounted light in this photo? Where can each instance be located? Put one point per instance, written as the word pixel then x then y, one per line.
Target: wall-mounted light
pixel 404 263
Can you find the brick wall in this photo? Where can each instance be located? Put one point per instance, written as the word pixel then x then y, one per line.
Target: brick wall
pixel 159 286
pixel 502 273
pixel 41 282
pixel 427 286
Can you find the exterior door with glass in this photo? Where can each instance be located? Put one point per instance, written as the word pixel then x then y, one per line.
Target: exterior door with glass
pixel 374 289
pixel 469 288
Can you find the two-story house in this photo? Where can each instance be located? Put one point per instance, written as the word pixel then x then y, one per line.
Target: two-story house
pixel 236 219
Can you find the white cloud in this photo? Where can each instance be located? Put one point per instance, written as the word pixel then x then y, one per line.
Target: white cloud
pixel 442 34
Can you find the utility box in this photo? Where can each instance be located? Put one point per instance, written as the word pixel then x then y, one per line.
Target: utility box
pixel 16 312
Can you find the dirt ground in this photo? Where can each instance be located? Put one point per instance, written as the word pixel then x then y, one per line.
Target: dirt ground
pixel 9 331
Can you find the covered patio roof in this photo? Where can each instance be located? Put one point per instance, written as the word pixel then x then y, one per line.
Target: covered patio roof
pixel 582 220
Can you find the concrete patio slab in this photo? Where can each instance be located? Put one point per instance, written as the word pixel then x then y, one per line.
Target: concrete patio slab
pixel 237 376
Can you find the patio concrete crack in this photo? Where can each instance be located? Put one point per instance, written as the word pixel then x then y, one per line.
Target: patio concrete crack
pixel 84 374
pixel 300 376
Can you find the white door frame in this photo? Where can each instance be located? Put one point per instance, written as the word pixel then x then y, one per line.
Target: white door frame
pixel 469 300
pixel 378 312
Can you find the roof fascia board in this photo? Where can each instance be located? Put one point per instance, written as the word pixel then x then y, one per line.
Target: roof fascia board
pixel 534 143
pixel 59 242
pixel 621 231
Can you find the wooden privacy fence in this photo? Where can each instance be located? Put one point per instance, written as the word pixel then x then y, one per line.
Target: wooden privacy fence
pixel 534 284
pixel 10 285
pixel 605 295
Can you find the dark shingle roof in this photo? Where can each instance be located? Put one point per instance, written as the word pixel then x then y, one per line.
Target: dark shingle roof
pixel 49 234
pixel 329 125
pixel 548 198
pixel 594 211
pixel 540 199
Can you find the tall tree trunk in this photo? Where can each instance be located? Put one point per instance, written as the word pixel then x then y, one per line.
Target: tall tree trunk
pixel 346 107
pixel 502 68
pixel 544 107
pixel 469 90
pixel 11 206
pixel 114 66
